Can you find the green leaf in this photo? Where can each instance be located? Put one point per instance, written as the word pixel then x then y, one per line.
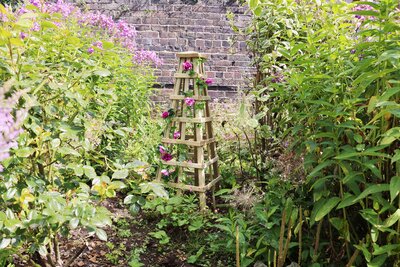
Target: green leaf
pixel 134 209
pixel 321 166
pixel 396 156
pixel 120 174
pixel 326 208
pixel 102 72
pixel 394 187
pixel 24 152
pixel 372 189
pixel 89 172
pixel 24 23
pixel 348 200
pixel 392 219
pixel 385 249
pixel 366 13
pixel 5 242
pixel 253 4
pixel 55 143
pixel 253 123
pixel 377 261
pixel 73 223
pixel 101 234
pixel 338 223
pixel 68 151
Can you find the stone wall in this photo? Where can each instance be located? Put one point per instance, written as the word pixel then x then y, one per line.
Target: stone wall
pixel 168 27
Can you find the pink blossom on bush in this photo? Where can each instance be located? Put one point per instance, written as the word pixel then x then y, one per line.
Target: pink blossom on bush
pixel 209 81
pixel 22 35
pixel 144 56
pixel 177 135
pixel 164 172
pixel 120 31
pixel 187 66
pixel 36 3
pixel 36 27
pixel 165 114
pixel 98 44
pixel 166 157
pixel 10 126
pixel 189 101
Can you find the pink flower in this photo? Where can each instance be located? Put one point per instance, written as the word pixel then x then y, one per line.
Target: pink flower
pixel 187 66
pixel 166 157
pixel 36 27
pixel 22 35
pixel 98 44
pixel 165 114
pixel 177 135
pixel 165 172
pixel 189 101
pixel 162 149
pixel 209 81
pixel 90 50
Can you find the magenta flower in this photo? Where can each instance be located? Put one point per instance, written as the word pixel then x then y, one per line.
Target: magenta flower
pixel 166 157
pixel 165 114
pixel 209 81
pixel 162 149
pixel 164 172
pixel 177 135
pixel 90 50
pixel 187 66
pixel 22 35
pixel 189 101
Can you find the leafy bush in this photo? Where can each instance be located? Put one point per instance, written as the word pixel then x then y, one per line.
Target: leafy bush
pixel 327 84
pixel 88 88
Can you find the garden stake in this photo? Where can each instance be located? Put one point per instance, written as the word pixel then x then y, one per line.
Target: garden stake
pixel 195 147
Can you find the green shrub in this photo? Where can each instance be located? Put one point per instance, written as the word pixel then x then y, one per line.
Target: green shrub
pixel 88 90
pixel 328 76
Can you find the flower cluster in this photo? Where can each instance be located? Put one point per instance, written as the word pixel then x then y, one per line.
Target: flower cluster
pixel 362 8
pixel 164 154
pixel 177 135
pixel 168 114
pixel 187 66
pixel 189 101
pixel 10 126
pixel 120 31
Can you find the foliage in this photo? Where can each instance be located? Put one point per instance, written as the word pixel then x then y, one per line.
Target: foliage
pixel 87 94
pixel 328 82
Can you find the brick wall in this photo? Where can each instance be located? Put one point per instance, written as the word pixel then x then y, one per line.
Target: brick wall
pixel 168 27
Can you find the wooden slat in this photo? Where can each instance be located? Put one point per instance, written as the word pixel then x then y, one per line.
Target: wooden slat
pixel 188 142
pixel 211 161
pixel 192 120
pixel 191 54
pixel 197 98
pixel 187 76
pixel 190 164
pixel 183 164
pixel 195 188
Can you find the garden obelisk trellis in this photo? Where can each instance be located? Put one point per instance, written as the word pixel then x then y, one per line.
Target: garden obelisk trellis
pixel 196 162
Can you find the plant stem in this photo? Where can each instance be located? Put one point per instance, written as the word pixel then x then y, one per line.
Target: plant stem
pixel 300 235
pixel 237 247
pixel 76 255
pixel 281 236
